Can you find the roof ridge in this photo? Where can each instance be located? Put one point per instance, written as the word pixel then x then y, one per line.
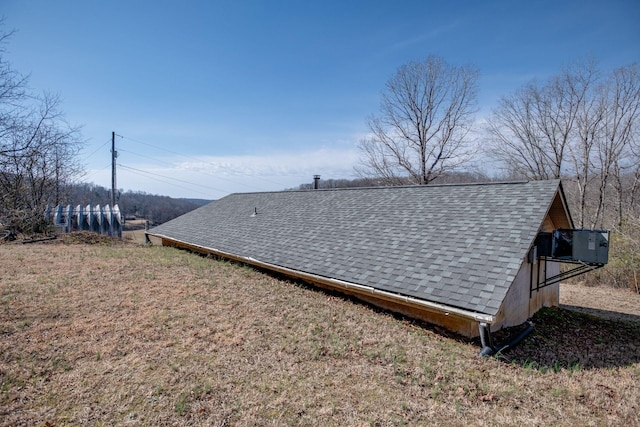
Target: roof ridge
pixel 380 187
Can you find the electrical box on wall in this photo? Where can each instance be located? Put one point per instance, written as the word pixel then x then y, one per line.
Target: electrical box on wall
pixel 544 243
pixel 587 246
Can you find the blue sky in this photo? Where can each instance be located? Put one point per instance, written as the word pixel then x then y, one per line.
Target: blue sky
pixel 213 97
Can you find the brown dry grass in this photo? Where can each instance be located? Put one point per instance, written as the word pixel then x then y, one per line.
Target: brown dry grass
pixel 122 334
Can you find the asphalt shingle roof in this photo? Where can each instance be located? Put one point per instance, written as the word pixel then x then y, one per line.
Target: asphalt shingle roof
pixel 458 245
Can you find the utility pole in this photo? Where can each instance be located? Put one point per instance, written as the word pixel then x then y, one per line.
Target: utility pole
pixel 114 154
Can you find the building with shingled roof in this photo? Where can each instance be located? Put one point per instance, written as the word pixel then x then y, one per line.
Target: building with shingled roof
pixel 459 256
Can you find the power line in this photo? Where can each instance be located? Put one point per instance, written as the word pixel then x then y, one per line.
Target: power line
pixel 98 149
pixel 153 174
pixel 96 171
pixel 175 185
pixel 144 156
pixel 208 195
pixel 201 161
pixel 156 147
pixel 171 164
pixel 251 187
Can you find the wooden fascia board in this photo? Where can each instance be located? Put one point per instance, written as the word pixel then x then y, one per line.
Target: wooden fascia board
pixel 565 205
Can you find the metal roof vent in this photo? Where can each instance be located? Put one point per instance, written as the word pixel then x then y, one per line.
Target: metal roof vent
pixel 255 212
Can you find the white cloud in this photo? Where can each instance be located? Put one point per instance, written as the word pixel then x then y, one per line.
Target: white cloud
pixel 332 161
pixel 212 177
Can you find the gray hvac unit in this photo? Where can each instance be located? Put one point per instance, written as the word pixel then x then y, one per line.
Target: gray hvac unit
pixel 585 246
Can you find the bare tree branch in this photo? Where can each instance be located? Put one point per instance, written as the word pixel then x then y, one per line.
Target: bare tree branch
pixel 38 150
pixel 421 131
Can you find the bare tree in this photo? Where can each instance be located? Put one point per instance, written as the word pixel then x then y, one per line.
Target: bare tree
pixel 619 134
pixel 12 95
pixel 634 180
pixel 531 129
pixel 421 131
pixel 38 150
pixel 587 133
pixel 581 127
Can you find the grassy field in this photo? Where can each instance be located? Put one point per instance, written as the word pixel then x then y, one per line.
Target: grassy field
pixel 111 333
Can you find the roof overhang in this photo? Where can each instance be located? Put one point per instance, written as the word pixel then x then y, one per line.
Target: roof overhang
pixel 559 207
pixel 352 288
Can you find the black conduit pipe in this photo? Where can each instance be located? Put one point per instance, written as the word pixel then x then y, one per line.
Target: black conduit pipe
pixel 489 349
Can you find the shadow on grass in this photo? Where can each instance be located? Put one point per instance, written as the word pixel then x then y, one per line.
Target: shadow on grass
pixel 604 314
pixel 568 339
pixel 562 338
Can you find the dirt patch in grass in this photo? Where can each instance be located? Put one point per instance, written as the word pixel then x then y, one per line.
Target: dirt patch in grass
pixel 603 302
pixel 125 334
pixel 89 238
